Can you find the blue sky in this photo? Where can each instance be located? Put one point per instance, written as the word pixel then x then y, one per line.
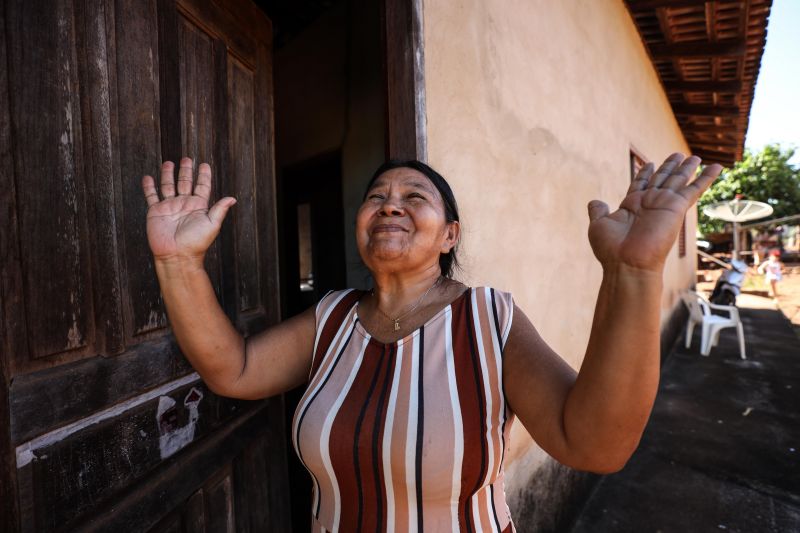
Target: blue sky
pixel 775 113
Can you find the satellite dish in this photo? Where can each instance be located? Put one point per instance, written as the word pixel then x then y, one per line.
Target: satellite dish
pixel 738 210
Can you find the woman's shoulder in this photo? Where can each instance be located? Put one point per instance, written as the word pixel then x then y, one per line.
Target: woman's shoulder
pixel 493 297
pixel 338 298
pixel 499 305
pixel 337 293
pixel 492 293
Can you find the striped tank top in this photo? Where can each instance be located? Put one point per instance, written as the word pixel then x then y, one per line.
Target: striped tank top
pixel 410 435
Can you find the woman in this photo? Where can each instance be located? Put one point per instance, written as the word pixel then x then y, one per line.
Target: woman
pixel 413 386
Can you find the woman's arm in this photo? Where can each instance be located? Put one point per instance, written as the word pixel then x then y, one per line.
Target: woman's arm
pixel 180 229
pixel 593 420
pixel 265 364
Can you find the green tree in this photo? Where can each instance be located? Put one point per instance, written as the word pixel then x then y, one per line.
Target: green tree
pixel 765 176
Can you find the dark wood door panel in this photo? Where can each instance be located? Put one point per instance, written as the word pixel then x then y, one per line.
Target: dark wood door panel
pixel 246 447
pixel 45 400
pixel 193 514
pixel 107 427
pixel 98 90
pixel 242 88
pixel 136 52
pixel 242 32
pixel 14 334
pixel 208 510
pixel 219 502
pixel 171 524
pixel 71 472
pixel 49 180
pixel 224 94
pixel 246 156
pixel 265 201
pixel 241 496
pixel 198 74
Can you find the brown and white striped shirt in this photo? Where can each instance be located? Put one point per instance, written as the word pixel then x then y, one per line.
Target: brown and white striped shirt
pixel 410 435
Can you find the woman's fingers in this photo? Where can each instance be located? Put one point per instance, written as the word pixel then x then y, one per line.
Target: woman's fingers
pixel 682 174
pixel 203 187
pixel 597 210
pixel 676 172
pixel 639 183
pixel 185 177
pixel 693 191
pixel 665 170
pixel 220 209
pixel 149 188
pixel 184 181
pixel 167 185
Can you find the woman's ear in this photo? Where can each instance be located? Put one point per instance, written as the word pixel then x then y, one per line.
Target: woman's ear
pixel 451 236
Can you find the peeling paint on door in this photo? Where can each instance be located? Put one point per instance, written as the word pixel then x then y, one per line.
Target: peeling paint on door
pixel 171 437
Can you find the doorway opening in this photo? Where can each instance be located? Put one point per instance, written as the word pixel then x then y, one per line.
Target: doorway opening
pixel 311 229
pixel 330 135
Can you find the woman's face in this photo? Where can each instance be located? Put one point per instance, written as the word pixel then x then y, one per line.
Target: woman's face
pixel 401 226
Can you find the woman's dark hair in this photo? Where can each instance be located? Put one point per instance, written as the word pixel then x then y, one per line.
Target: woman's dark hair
pixel 447 262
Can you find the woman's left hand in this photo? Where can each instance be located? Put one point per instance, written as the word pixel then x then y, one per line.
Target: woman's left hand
pixel 642 231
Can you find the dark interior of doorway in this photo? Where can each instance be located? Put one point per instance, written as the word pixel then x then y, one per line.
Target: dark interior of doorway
pixel 311 216
pixel 291 17
pixel 311 231
pixel 311 235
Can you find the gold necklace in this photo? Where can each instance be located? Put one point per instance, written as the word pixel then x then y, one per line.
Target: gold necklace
pixel 398 319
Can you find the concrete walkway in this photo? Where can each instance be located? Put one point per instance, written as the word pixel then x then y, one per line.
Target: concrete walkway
pixel 722 449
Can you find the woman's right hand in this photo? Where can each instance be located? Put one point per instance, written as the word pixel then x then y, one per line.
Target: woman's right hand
pixel 182 227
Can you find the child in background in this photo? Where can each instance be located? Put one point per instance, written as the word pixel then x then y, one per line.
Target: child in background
pixel 772 269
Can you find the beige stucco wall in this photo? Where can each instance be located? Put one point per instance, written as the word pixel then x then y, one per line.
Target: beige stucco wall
pixel 532 107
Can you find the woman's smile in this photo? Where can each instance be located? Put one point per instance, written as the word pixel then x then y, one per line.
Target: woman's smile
pixel 388 228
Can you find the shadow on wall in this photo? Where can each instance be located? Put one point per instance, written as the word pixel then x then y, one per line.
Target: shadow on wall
pixel 552 500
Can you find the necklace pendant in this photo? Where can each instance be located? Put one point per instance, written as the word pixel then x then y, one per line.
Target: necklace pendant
pixel 396 324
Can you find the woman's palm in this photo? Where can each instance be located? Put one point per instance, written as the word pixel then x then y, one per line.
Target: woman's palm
pixel 641 232
pixel 182 225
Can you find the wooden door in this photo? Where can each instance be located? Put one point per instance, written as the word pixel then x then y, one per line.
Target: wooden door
pixel 103 424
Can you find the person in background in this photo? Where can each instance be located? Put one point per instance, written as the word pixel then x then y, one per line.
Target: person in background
pixel 772 269
pixel 759 251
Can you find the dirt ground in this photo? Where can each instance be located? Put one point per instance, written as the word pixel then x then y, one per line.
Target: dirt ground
pixel 755 291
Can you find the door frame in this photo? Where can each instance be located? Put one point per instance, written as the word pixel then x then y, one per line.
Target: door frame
pixel 404 75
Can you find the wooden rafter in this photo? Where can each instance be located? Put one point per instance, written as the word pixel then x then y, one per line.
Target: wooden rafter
pixel 707 54
pixel 698 49
pixel 704 86
pixel 700 110
pixel 702 147
pixel 644 5
pixel 710 156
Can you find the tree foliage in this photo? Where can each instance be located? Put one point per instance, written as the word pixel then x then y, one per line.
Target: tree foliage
pixel 765 176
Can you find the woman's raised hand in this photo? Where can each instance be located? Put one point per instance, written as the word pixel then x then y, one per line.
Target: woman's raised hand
pixel 642 231
pixel 181 226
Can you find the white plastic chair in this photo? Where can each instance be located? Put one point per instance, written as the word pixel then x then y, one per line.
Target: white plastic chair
pixel 700 313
